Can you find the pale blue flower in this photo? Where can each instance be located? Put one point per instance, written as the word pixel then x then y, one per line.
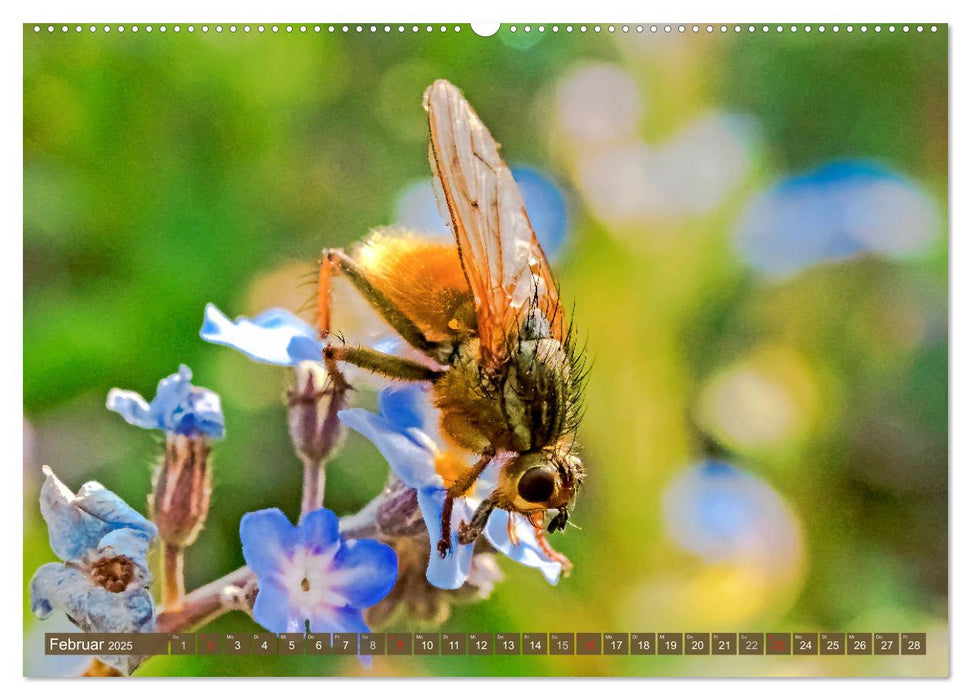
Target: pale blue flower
pixel 309 577
pixel 836 212
pixel 275 337
pixel 178 407
pixel 102 584
pixel 406 434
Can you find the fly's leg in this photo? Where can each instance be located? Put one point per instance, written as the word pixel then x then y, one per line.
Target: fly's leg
pixel 465 481
pixel 469 533
pixel 336 260
pixel 536 520
pixel 460 486
pixel 511 529
pixel 445 543
pixel 548 550
pixel 390 366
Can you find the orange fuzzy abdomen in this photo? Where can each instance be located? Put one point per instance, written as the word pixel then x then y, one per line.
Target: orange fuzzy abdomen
pixel 423 278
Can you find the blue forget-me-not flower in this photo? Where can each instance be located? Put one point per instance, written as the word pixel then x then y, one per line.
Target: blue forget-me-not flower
pixel 311 578
pixel 190 416
pixel 275 337
pixel 406 433
pixel 178 407
pixel 102 584
pixel 278 337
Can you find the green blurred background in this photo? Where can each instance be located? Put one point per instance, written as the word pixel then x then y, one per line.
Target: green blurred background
pixel 164 171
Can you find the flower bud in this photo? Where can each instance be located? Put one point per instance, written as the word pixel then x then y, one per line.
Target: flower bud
pixel 313 405
pixel 183 485
pixel 398 514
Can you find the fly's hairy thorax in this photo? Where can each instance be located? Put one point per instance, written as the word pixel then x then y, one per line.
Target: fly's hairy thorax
pixel 524 406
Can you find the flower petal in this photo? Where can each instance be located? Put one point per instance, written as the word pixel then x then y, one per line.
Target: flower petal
pixel 484 574
pixel 265 338
pixel 412 462
pixel 528 552
pixel 76 524
pixel 170 396
pixel 319 530
pixel 177 407
pixel 108 507
pixel 326 618
pixel 133 408
pixel 119 613
pixel 130 611
pixel 330 619
pixel 401 406
pixel 489 478
pixel 448 572
pixel 201 412
pixel 364 572
pixel 72 532
pixel 92 608
pixel 268 541
pixel 304 349
pixel 272 609
pixel 409 407
pixel 52 579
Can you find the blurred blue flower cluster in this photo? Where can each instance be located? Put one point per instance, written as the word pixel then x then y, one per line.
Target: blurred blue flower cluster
pixel 837 211
pixel 720 512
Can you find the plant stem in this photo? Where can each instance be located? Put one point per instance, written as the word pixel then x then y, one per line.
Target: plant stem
pixel 173 576
pixel 234 591
pixel 361 525
pixel 314 479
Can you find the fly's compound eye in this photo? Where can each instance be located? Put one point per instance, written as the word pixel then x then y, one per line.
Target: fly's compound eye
pixel 537 485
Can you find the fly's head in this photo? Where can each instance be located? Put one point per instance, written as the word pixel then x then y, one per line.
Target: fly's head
pixel 534 483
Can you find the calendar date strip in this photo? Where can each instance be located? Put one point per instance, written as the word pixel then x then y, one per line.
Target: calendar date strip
pixel 234 591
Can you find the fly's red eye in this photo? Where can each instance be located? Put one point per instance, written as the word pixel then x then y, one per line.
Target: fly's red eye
pixel 537 485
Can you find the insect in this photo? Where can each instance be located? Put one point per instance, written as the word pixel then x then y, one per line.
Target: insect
pixel 485 316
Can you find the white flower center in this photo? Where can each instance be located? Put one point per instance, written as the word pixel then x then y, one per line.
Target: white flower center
pixel 310 579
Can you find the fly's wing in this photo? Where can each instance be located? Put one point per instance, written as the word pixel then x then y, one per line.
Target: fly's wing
pixel 507 272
